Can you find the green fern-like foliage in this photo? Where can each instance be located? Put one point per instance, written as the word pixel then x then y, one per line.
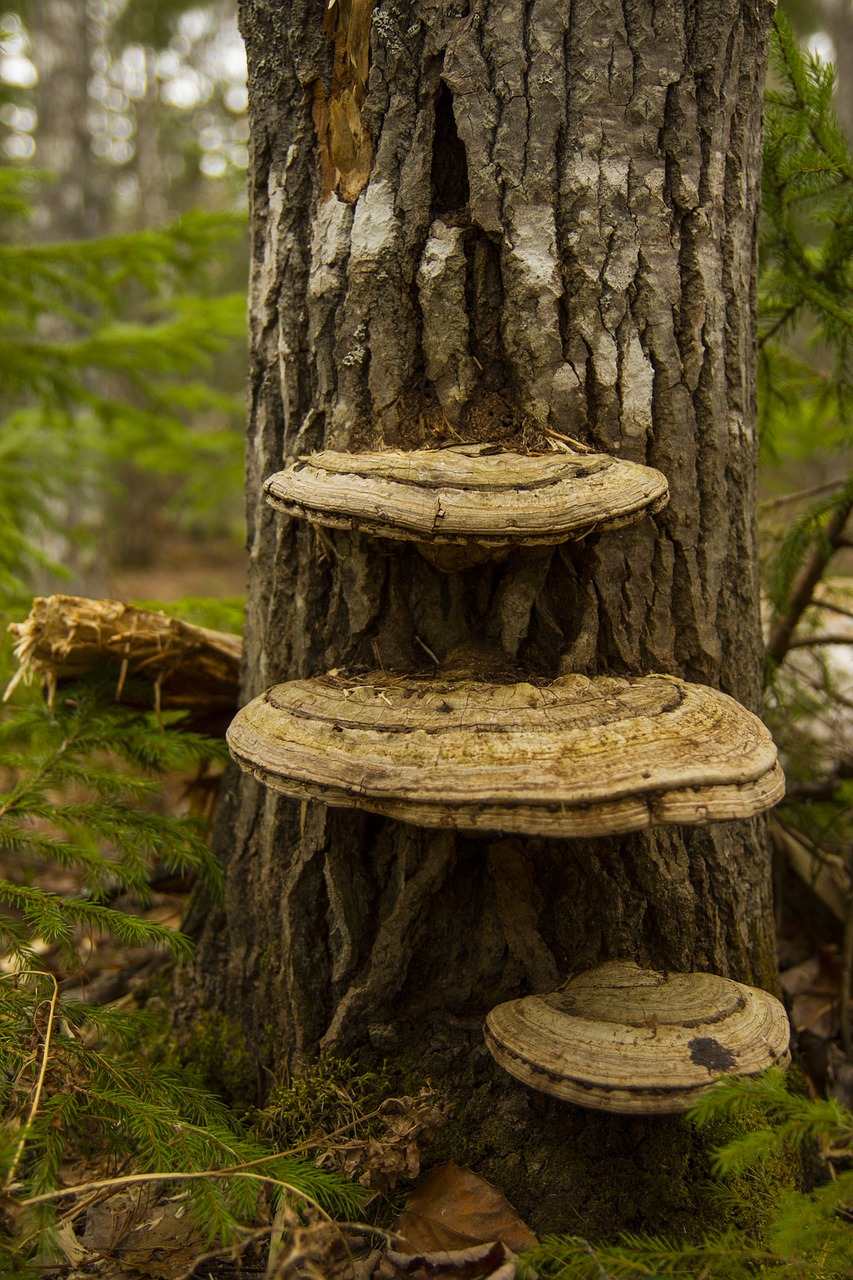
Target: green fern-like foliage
pixel 102 344
pixel 806 258
pixel 723 1256
pixel 73 1083
pixel 802 1236
pixel 805 398
pixel 129 1118
pixel 103 350
pixel 72 805
pixel 805 337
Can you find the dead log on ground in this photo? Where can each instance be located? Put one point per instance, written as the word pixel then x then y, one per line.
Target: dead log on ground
pixel 188 668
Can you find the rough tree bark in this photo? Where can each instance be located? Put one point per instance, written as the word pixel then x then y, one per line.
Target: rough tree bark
pixel 558 232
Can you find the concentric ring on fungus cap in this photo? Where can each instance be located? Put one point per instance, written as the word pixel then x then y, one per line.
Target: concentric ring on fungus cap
pixel 468 494
pixel 570 757
pixel 625 1039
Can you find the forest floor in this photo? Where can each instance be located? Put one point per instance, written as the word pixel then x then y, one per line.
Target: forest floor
pixel 455 1225
pixel 182 567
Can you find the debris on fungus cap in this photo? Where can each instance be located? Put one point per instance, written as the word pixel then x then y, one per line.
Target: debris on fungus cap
pixel 468 494
pixel 573 757
pixel 620 1038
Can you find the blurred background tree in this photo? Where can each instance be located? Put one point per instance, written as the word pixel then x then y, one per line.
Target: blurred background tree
pixel 139 108
pixel 135 113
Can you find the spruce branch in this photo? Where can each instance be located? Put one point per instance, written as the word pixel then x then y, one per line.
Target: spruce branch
pixel 827 539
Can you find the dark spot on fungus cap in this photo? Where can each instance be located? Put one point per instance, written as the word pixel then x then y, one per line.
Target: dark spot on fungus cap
pixel 707 1052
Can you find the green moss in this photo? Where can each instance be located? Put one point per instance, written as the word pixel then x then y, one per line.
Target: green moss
pixel 330 1094
pixel 215 1050
pixel 747 1201
pixel 270 958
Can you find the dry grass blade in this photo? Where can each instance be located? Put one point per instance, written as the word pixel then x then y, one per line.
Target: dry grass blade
pixel 16 1160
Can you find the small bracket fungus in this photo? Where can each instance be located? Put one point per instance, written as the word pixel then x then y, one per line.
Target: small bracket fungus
pixel 573 757
pixel 468 494
pixel 621 1038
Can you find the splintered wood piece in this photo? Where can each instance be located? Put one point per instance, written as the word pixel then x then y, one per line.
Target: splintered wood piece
pixel 620 1038
pixel 573 757
pixel 190 668
pixel 468 493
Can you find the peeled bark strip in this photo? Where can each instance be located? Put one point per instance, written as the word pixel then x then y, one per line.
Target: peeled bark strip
pixel 597 166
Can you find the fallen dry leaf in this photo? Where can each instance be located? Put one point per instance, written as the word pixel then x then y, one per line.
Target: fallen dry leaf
pixel 812 989
pixel 454 1208
pixel 138 1234
pixel 73 1251
pixel 482 1262
pixel 803 977
pixel 840 1076
pixel 381 1160
pixel 817 1014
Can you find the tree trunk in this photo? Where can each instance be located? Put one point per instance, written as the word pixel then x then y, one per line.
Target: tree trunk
pixel 62 45
pixel 836 19
pixel 558 234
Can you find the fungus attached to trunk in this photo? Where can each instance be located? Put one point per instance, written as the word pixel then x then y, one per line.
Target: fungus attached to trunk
pixel 571 757
pixel 621 1038
pixel 468 495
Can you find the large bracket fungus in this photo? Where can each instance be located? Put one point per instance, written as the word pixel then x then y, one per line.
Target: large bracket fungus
pixel 621 1038
pixel 475 496
pixel 570 757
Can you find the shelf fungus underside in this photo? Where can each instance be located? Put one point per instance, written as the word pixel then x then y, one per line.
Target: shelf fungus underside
pixel 572 757
pixel 468 493
pixel 620 1038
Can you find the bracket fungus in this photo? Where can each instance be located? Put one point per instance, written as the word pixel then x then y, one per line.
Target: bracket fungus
pixel 476 496
pixel 625 1039
pixel 570 757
